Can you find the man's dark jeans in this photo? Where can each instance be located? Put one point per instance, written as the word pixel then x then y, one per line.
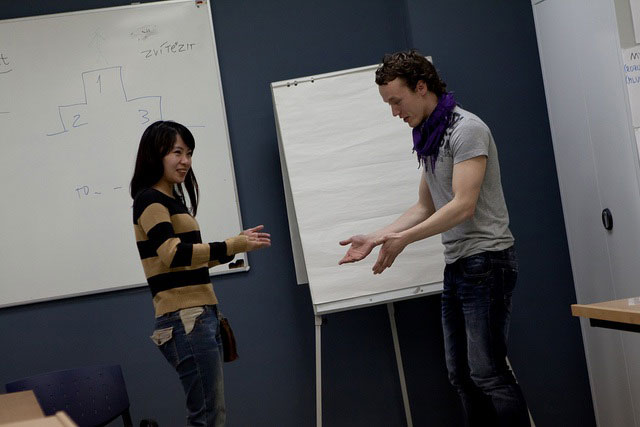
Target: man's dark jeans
pixel 476 310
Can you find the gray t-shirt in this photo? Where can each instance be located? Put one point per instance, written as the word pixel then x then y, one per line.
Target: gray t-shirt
pixel 468 137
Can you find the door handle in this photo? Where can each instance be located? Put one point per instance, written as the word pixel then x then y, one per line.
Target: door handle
pixel 607 219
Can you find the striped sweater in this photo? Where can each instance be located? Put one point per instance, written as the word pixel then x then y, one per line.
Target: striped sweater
pixel 175 261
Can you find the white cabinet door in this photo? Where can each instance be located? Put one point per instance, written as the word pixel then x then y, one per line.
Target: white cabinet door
pixel 601 68
pixel 616 160
pixel 579 54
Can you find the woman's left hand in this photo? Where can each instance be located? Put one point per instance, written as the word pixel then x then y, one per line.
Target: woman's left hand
pixel 257 239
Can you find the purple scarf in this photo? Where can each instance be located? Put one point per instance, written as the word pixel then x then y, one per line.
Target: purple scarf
pixel 428 134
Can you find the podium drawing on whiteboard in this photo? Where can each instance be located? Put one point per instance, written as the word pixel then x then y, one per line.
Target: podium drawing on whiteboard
pixel 104 92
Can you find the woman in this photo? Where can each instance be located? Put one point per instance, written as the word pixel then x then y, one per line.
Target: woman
pixel 176 264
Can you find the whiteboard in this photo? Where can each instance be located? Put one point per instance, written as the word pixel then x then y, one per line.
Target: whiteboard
pixel 78 90
pixel 348 168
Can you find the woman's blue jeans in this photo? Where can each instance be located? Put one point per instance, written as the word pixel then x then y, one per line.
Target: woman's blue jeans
pixel 476 310
pixel 190 341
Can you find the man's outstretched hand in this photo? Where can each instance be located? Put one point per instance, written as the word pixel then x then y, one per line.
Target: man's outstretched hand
pixel 392 245
pixel 361 246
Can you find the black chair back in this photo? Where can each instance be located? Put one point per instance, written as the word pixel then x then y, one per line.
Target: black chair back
pixel 92 396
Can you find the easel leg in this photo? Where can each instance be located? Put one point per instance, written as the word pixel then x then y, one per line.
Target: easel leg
pixel 318 371
pixel 396 346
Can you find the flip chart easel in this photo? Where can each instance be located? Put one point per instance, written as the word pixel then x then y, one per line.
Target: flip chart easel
pixel 348 168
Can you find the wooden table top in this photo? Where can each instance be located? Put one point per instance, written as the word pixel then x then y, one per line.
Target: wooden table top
pixel 622 310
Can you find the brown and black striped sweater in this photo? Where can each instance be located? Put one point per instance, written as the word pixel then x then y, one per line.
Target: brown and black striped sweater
pixel 175 260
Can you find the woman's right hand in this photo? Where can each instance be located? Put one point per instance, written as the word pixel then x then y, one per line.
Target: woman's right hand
pixel 256 239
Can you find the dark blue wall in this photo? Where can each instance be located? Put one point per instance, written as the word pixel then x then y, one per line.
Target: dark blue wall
pixel 488 55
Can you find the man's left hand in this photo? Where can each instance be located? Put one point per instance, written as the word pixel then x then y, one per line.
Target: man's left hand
pixel 392 245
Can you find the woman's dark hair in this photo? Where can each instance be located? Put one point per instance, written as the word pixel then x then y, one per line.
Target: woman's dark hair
pixel 156 142
pixel 412 67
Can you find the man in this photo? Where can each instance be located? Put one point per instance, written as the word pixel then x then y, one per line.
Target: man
pixel 460 196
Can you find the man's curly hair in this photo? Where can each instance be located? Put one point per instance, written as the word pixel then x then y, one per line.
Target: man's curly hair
pixel 412 67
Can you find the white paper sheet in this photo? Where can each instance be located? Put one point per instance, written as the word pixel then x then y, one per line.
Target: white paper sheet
pixel 631 58
pixel 350 170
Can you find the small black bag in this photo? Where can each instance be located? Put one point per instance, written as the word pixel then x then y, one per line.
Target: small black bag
pixel 229 350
